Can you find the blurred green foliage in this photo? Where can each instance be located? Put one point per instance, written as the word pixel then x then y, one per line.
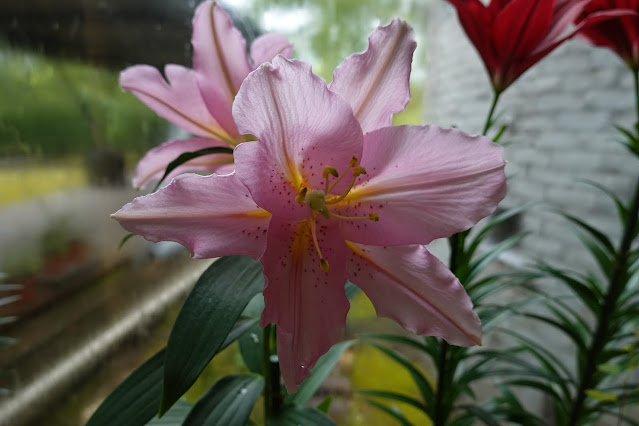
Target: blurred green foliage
pixel 54 108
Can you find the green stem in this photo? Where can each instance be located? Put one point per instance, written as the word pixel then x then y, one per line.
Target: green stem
pixel 271 368
pixel 491 111
pixel 618 280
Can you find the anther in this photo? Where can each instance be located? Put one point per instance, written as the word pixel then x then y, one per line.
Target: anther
pixel 359 170
pixel 374 217
pixel 324 265
pixel 354 161
pixel 301 196
pixel 329 171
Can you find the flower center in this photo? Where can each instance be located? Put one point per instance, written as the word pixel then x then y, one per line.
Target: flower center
pixel 317 200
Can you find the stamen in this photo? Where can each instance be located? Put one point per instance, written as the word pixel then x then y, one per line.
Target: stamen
pixel 345 193
pixel 371 216
pixel 328 171
pixel 323 262
pixel 353 163
pixel 359 170
pixel 301 196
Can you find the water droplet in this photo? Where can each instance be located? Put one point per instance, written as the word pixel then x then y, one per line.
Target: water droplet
pixel 302 366
pixel 242 391
pixel 255 338
pixel 273 358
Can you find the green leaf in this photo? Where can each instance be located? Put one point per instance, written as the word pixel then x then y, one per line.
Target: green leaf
pixel 294 415
pixel 228 402
pixel 477 265
pixel 124 239
pixel 208 314
pixel 398 397
pixel 318 374
pixel 493 222
pixel 251 348
pixel 393 412
pixel 622 211
pixel 569 331
pixel 325 405
pixel 601 396
pixel 175 416
pixel 188 156
pixel 585 292
pixel 136 400
pixel 392 338
pixel 480 413
pixel 422 383
pixel 594 232
pixel 251 342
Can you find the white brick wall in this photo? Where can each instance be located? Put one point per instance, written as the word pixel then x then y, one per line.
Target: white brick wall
pixel 560 116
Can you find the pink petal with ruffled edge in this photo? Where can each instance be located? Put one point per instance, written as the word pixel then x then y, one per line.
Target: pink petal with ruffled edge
pixel 412 287
pixel 268 46
pixel 425 182
pixel 376 82
pixel 152 166
pixel 308 305
pixel 177 100
pixel 211 215
pixel 301 125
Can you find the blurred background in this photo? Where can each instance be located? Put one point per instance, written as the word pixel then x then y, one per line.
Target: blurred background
pixel 77 314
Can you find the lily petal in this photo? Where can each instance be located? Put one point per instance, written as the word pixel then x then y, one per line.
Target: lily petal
pixel 219 49
pixel 302 127
pixel 375 82
pixel 178 100
pixel 412 287
pixel 425 182
pixel 308 305
pixel 520 26
pixel 153 164
pixel 211 215
pixel 267 46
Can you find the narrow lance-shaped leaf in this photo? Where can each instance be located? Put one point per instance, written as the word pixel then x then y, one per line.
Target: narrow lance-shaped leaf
pixel 228 402
pixel 294 415
pixel 393 412
pixel 319 373
pixel 213 306
pixel 136 400
pixel 188 156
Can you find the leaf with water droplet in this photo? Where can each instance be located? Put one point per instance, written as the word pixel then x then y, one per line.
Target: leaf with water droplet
pixel 228 402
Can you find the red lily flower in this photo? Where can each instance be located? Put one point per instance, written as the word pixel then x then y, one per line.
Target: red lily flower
pixel 620 34
pixel 513 35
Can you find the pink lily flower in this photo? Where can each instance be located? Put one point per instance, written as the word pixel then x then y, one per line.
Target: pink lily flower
pixel 199 100
pixel 319 202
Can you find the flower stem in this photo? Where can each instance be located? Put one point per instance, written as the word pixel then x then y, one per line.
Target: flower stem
pixel 271 369
pixel 491 112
